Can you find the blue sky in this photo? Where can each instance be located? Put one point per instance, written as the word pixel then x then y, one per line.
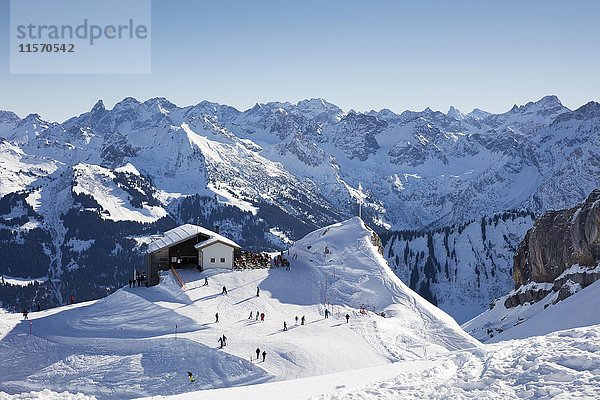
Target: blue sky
pixel 357 54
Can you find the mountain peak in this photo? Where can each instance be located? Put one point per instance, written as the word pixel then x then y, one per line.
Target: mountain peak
pixel 8 116
pixel 549 101
pixel 455 113
pixel 127 102
pixel 33 117
pixel 479 114
pixel 99 106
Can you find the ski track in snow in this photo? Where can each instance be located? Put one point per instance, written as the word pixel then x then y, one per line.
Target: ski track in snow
pixel 562 365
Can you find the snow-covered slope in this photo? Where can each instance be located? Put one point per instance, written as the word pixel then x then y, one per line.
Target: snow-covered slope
pixel 563 365
pixel 141 341
pixel 539 318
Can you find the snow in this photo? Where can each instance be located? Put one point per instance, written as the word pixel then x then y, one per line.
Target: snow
pixel 540 318
pixel 78 245
pixel 141 341
pixel 579 269
pixel 23 281
pixel 19 170
pixel 98 182
pixel 128 168
pixel 564 365
pixel 184 232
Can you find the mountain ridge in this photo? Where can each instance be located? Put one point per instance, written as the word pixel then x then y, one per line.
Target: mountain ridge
pixel 270 174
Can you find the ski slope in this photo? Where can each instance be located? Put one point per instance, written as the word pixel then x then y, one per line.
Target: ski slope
pixel 141 341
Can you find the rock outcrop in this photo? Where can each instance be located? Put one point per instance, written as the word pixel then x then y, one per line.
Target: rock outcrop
pixel 562 247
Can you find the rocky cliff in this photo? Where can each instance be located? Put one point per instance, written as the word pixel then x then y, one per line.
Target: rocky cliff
pixel 562 248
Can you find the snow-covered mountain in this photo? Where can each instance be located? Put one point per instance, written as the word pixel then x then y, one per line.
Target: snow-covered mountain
pixel 270 174
pixel 141 341
pixel 556 269
pixel 460 268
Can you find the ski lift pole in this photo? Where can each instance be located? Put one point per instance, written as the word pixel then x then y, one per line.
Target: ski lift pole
pixel 30 326
pixel 175 331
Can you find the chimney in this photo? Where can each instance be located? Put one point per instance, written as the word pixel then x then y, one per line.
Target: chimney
pixel 216 230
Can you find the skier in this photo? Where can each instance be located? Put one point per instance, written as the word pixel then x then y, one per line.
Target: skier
pixel 257 291
pixel 191 377
pixel 220 342
pixel 296 320
pixel 262 317
pixel 284 326
pixel 250 317
pixel 25 313
pixel 257 315
pixel 206 281
pixel 347 317
pixel 224 291
pixel 216 317
pixel 264 355
pixel 224 340
pixel 257 353
pixel 302 320
pixel 326 313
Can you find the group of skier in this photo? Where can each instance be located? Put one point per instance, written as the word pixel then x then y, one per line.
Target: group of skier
pixel 258 315
pixel 139 279
pixel 222 340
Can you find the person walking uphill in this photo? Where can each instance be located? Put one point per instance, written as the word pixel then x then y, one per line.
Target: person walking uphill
pixel 216 317
pixel 347 317
pixel 224 291
pixel 326 313
pixel 257 291
pixel 264 355
pixel 257 353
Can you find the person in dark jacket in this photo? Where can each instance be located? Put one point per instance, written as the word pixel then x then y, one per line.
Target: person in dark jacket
pixel 224 340
pixel 257 353
pixel 347 317
pixel 264 353
pixel 216 317
pixel 191 377
pixel 257 291
pixel 224 291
